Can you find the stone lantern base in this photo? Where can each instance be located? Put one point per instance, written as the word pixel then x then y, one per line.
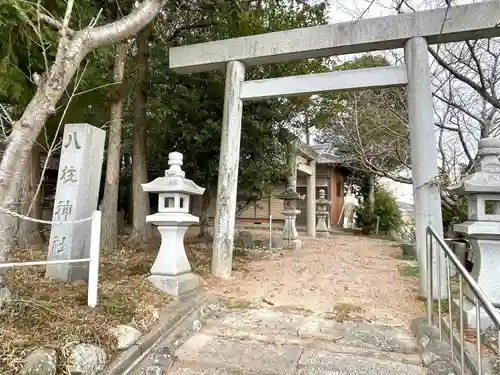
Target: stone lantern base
pixel 175 285
pixel 321 228
pixel 171 272
pixel 290 237
pixel 322 234
pixel 470 314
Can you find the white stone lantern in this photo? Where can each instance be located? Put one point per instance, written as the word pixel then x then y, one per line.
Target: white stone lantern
pixel 482 189
pixel 171 271
pixel 322 213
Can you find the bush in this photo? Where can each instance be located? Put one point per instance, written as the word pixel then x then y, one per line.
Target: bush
pixel 366 219
pixel 386 209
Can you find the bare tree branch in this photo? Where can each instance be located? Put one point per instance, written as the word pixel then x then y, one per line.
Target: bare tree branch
pixel 481 90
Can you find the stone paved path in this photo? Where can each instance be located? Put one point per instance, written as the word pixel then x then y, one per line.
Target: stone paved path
pixel 266 342
pixel 337 307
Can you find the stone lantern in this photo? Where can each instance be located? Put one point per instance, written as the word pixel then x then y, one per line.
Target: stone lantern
pixel 322 213
pixel 482 189
pixel 290 236
pixel 171 271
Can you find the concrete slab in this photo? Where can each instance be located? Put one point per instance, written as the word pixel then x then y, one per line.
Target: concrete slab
pixel 249 355
pixel 462 23
pixel 316 362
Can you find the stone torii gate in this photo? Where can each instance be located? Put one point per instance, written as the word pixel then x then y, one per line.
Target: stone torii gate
pixel 411 31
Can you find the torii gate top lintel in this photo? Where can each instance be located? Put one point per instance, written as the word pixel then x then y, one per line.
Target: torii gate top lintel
pixel 464 22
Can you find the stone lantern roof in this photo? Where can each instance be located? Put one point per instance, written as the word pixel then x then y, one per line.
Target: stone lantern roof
pixel 289 193
pixel 174 180
pixel 486 176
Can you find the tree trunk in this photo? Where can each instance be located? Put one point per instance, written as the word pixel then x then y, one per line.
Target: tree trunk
pixel 28 231
pixel 207 198
pixel 25 131
pixel 307 129
pixel 141 231
pixel 109 230
pixel 371 193
pixel 127 166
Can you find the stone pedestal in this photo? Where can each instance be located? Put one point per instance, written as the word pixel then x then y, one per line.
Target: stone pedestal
pixel 482 189
pixel 322 214
pixel 171 272
pixel 289 236
pixel 470 313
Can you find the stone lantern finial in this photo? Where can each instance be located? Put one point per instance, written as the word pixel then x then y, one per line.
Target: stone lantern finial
pixel 488 152
pixel 175 162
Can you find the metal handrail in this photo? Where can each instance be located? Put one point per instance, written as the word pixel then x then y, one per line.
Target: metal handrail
pixel 488 306
pixel 481 298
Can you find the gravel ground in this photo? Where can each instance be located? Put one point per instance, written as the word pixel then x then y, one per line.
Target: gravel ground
pixel 343 271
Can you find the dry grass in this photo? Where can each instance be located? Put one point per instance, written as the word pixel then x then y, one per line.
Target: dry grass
pixel 55 314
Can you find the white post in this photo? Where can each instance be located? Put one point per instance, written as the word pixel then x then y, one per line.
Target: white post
pixel 95 244
pixel 424 159
pixel 227 186
pixel 270 232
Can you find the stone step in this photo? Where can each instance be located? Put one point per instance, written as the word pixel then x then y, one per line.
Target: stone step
pixel 207 354
pixel 249 355
pixel 270 326
pixel 322 362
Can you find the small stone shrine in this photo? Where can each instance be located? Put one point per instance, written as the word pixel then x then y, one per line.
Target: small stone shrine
pixel 322 213
pixel 171 272
pixel 482 189
pixel 289 235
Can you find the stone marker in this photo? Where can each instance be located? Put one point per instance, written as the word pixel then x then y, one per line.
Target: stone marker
pixel 76 197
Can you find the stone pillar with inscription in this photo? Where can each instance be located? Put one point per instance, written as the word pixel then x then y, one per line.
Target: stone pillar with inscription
pixel 77 191
pixel 171 272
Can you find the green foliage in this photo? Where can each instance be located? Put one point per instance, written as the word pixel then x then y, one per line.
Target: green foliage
pixel 366 218
pixel 455 216
pixel 185 111
pixel 30 44
pixel 386 211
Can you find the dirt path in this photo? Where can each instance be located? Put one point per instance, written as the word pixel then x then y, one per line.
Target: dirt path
pixel 345 272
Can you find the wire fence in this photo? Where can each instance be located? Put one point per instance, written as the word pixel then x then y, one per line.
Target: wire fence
pixel 92 260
